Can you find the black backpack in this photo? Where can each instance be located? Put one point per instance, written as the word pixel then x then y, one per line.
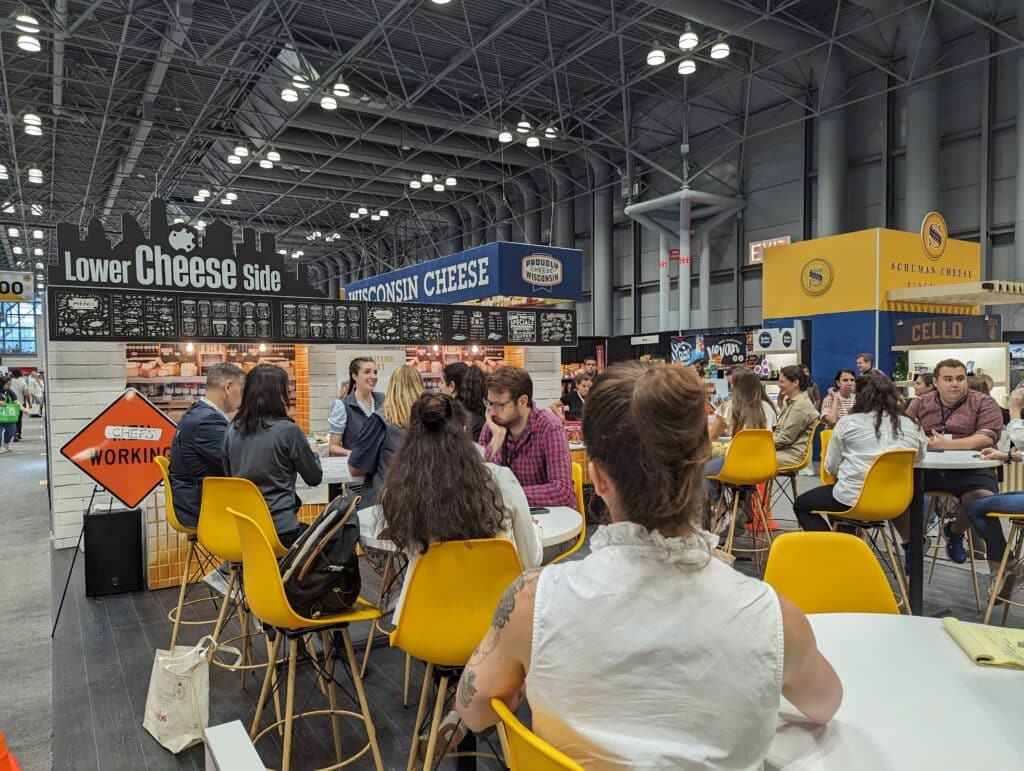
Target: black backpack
pixel 321 570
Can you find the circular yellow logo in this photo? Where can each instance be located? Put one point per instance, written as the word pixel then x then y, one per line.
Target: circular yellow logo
pixel 816 277
pixel 934 234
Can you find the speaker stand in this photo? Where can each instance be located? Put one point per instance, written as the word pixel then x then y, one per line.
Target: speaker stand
pixel 74 558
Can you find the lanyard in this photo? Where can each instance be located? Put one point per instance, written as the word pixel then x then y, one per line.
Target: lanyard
pixel 945 415
pixel 510 457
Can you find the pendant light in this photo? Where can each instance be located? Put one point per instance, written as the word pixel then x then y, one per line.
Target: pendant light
pixel 687 67
pixel 656 56
pixel 720 50
pixel 688 40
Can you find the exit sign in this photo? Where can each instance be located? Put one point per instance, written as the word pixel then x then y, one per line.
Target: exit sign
pixel 756 250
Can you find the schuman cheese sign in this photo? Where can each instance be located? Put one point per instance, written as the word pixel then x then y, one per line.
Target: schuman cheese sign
pixel 116 449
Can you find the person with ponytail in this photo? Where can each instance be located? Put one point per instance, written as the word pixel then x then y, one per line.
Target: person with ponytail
pixel 356 401
pixel 467 384
pixel 658 616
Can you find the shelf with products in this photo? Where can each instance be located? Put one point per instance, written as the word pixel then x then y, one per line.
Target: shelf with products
pixel 990 358
pixel 431 360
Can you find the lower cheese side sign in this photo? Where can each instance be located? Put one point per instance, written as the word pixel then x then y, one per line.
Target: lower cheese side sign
pixel 116 449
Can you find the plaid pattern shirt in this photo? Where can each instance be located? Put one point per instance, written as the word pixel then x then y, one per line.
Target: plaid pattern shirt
pixel 978 413
pixel 540 460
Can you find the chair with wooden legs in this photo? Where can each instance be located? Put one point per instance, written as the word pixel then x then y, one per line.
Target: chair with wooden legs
pixel 888 488
pixel 749 462
pixel 453 589
pixel 265 592
pixel 577 484
pixel 219 535
pixel 777 487
pixel 823 572
pixel 1015 546
pixel 944 507
pixel 523 749
pixel 195 558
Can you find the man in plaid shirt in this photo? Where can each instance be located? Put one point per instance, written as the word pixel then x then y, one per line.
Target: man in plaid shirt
pixel 529 440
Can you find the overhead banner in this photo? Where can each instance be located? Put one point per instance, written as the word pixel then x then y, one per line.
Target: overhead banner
pixel 178 285
pixel 498 269
pixel 948 330
pixel 16 286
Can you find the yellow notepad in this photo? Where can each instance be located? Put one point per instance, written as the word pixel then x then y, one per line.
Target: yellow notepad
pixel 990 646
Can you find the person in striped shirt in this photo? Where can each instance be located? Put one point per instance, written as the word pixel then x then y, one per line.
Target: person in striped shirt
pixel 839 400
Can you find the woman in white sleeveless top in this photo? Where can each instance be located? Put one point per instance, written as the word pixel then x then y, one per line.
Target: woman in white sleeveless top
pixel 649 653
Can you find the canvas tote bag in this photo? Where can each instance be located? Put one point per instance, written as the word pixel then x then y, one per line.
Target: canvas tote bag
pixel 178 703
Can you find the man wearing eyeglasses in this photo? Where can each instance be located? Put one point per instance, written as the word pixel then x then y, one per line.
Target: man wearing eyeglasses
pixel 529 440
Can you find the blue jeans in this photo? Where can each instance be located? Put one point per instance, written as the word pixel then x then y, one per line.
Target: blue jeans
pixel 990 528
pixel 7 431
pixel 714 490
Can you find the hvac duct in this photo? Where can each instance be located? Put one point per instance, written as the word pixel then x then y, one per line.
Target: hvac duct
pixel 664 322
pixel 477 224
pixel 602 239
pixel 828 70
pixel 502 217
pixel 531 209
pixel 453 243
pixel 563 230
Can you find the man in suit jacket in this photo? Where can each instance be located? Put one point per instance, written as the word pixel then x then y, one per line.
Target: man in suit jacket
pixel 196 449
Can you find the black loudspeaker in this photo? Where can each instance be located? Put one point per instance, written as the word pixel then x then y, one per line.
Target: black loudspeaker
pixel 113 552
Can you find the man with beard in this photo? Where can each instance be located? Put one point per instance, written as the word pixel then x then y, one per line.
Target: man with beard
pixel 527 439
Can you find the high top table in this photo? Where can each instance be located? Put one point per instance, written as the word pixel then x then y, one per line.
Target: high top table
pixel 948 460
pixel 912 699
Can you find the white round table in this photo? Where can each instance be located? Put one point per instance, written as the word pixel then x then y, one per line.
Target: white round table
pixel 558 525
pixel 912 699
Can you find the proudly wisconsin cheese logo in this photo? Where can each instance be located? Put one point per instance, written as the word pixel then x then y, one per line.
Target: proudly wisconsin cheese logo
pixel 816 277
pixel 542 270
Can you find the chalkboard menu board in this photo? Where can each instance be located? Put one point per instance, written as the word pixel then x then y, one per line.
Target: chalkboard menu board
pixel 140 317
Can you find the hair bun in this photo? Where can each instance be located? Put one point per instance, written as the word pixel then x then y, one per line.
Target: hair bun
pixel 435 410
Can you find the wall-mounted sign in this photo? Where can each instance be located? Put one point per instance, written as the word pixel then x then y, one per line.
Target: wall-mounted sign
pixel 117 447
pixel 772 339
pixel 727 349
pixel 16 286
pixel 947 330
pixel 176 285
pixel 682 349
pixel 755 249
pixel 644 340
pixel 492 270
pixel 934 235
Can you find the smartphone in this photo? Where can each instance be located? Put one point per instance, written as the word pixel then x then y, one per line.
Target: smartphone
pixel 935 449
pixel 539 510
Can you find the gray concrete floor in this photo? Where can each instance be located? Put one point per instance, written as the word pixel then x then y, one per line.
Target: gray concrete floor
pixel 26 706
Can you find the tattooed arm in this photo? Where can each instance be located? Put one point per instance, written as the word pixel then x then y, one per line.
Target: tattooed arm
pixel 497 668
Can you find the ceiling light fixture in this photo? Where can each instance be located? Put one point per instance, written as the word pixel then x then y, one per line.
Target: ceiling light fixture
pixel 362 210
pixel 688 40
pixel 31 119
pixel 415 184
pixel 37 235
pixel 505 136
pixel 532 141
pixel 329 103
pixel 13 232
pixel 231 196
pixel 426 178
pixel 242 151
pixel 687 67
pixel 37 210
pixel 38 252
pixel 17 250
pixel 341 89
pixel 274 156
pixel 234 160
pixel 523 126
pixel 29 43
pixel 8 208
pixel 299 81
pixel 39 266
pixel 198 199
pixel 450 181
pixel 289 95
pixel 353 215
pixel 266 163
pixel 33 131
pixel 656 56
pixel 439 187
pixel 385 213
pixel 225 201
pixel 282 251
pixel 26 22
pixel 720 50
pixel 200 225
pixel 375 217
pixel 440 2
pixel 550 132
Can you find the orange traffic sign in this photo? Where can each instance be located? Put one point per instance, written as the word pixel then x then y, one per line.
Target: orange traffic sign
pixel 116 449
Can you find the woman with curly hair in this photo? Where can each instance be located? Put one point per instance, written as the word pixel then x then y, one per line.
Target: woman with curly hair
pixel 467 384
pixel 383 432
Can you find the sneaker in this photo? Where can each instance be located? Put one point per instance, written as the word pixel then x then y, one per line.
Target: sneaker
pixel 5 449
pixel 17 437
pixel 450 734
pixel 216 581
pixel 955 545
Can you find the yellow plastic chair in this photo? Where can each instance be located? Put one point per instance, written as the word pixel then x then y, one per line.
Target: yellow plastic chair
pixel 888 488
pixel 577 483
pixel 778 486
pixel 452 592
pixel 826 478
pixel 828 573
pixel 265 593
pixel 524 750
pixel 195 557
pixel 218 534
pixel 1014 544
pixel 749 462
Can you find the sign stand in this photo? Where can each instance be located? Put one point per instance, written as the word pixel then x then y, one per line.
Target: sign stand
pixel 74 558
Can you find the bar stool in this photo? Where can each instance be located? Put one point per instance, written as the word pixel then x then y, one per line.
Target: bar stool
pixel 195 553
pixel 885 495
pixel 265 591
pixel 1014 545
pixel 944 507
pixel 749 462
pixel 452 592
pixel 777 487
pixel 523 749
